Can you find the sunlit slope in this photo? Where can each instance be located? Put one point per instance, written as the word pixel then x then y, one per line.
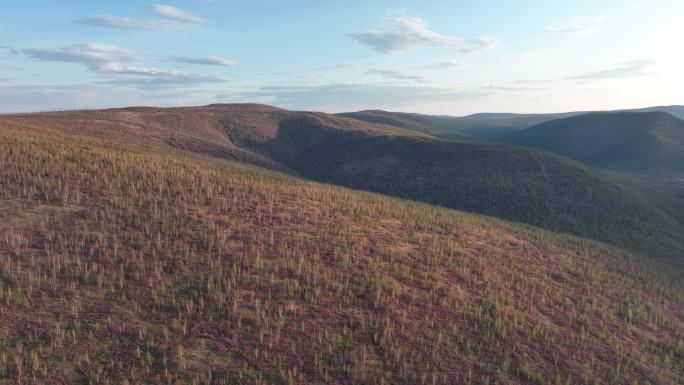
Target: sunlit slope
pixel 509 182
pixel 500 180
pixel 135 264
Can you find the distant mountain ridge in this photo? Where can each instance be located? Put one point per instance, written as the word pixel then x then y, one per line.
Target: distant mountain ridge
pixel 674 110
pixel 636 142
pixel 481 126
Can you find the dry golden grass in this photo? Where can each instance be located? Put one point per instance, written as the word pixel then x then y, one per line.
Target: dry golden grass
pixel 135 264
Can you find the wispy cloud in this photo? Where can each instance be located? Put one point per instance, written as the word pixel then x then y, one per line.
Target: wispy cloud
pixel 177 14
pixel 623 70
pixel 169 76
pixel 449 64
pixel 583 25
pixel 110 21
pixel 537 81
pixel 344 97
pixel 496 87
pixel 28 98
pixel 210 60
pixel 389 74
pixel 170 18
pixel 106 59
pixel 87 54
pixel 404 33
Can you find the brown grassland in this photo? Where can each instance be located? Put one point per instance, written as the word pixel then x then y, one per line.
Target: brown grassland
pixel 125 263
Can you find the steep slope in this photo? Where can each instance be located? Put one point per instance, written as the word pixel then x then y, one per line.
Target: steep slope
pixel 648 142
pixel 668 193
pixel 140 264
pixel 512 183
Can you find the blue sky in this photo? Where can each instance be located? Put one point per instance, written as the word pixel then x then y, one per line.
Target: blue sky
pixel 443 57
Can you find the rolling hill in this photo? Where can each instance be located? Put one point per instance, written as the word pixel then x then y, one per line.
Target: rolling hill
pixel 490 127
pixel 508 182
pixel 676 111
pixel 635 142
pixel 144 246
pixel 410 121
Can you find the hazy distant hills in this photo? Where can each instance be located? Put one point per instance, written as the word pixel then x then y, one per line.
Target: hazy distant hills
pixel 677 111
pixel 423 123
pixel 494 126
pixel 477 127
pixel 481 127
pixel 636 142
pixel 515 183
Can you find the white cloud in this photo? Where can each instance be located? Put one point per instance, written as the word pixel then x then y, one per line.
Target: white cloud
pixel 174 13
pixel 110 21
pixel 160 75
pixel 78 96
pixel 450 64
pixel 623 70
pixel 210 60
pixel 131 70
pixel 81 53
pixel 106 53
pixel 171 18
pixel 405 33
pixel 496 87
pixel 394 75
pixel 106 60
pixel 583 25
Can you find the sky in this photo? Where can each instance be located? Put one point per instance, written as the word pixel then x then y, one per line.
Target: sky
pixel 452 57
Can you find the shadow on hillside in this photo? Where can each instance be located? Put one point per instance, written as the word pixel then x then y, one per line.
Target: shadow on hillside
pixel 513 183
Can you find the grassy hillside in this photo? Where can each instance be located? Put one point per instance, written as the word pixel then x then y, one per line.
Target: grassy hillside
pixel 504 181
pixel 139 263
pixel 500 180
pixel 410 121
pixel 648 142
